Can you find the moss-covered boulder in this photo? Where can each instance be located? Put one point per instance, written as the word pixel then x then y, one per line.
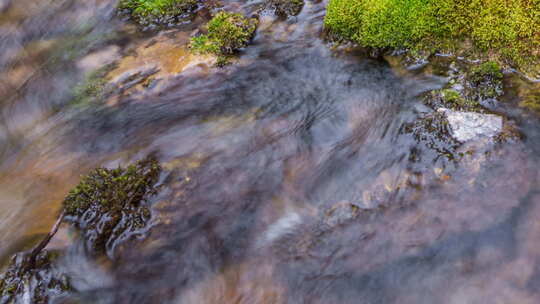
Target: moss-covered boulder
pixel 157 12
pixel 108 204
pixel 226 33
pixel 509 31
pixel 286 8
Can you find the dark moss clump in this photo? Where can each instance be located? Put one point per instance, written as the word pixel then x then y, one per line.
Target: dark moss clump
pixel 109 203
pixel 226 33
pixel 485 81
pixel 452 99
pixel 487 71
pixel 157 12
pixel 36 276
pixel 287 7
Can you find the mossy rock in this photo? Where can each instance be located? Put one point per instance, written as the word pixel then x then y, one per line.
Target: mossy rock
pixel 508 30
pixel 485 81
pixel 226 33
pixel 286 8
pixel 452 99
pixel 158 12
pixel 36 277
pixel 108 203
pixel 488 71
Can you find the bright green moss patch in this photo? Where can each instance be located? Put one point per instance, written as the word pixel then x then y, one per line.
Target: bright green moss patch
pixel 162 12
pixel 226 33
pixel 505 30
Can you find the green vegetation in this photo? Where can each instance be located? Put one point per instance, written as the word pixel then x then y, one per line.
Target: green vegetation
pixel 23 271
pixel 287 7
pixel 504 30
pixel 485 81
pixel 93 88
pixel 452 99
pixel 532 103
pixel 486 72
pixel 157 11
pixel 227 32
pixel 115 198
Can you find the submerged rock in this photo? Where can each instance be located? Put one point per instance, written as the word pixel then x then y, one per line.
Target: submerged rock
pixel 32 280
pixel 287 7
pixel 158 12
pixel 109 204
pixel 466 126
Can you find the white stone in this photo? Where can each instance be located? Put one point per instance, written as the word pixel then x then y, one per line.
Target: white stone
pixel 468 126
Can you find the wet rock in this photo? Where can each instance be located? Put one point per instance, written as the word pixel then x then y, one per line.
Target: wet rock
pixel 485 81
pixel 433 131
pixel 227 33
pixel 110 204
pixel 468 126
pixel 340 214
pixel 158 13
pixel 131 78
pixel 32 282
pixel 286 8
pixel 99 58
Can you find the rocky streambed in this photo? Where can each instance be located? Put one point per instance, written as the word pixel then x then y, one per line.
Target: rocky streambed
pixel 281 168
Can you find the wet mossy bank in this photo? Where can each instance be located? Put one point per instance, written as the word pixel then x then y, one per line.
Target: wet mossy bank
pixel 507 32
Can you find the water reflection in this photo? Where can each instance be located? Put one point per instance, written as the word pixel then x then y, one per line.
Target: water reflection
pixel 287 180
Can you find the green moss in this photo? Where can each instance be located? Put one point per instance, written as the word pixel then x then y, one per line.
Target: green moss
pixel 487 71
pixel 18 281
pixel 157 11
pixel 485 81
pixel 452 99
pixel 452 96
pixel 532 104
pixel 93 88
pixel 227 32
pixel 115 198
pixel 287 7
pixel 508 29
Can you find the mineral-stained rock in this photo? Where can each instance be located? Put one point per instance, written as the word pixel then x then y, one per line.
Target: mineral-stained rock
pixel 468 126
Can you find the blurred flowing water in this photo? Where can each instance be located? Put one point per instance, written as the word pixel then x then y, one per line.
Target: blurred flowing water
pixel 287 178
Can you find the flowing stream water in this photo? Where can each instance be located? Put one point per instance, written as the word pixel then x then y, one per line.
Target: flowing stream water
pixel 288 177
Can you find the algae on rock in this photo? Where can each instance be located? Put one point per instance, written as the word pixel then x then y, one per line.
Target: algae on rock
pixel 287 7
pixel 36 278
pixel 226 33
pixel 108 203
pixel 157 12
